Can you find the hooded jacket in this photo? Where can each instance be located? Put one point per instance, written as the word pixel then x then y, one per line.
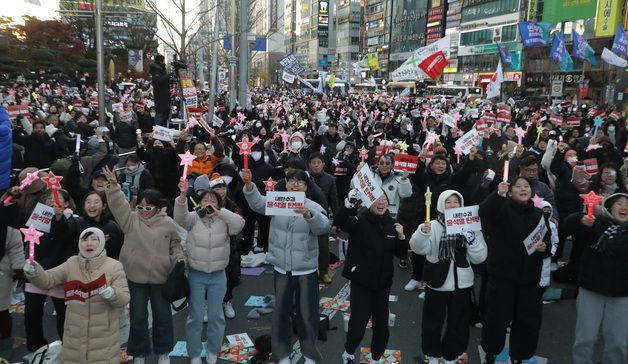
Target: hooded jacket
pixel 603 267
pixel 293 240
pixel 429 245
pixel 151 247
pixel 90 332
pixel 208 241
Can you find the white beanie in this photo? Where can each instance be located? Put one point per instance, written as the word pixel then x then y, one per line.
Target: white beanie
pixel 101 238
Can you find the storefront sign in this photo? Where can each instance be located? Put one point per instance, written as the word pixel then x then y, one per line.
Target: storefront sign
pixel 557 11
pixel 608 17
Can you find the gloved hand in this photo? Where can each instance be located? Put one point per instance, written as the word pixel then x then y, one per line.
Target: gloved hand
pixel 30 268
pixel 107 293
pixel 488 177
pixel 468 235
pixel 353 199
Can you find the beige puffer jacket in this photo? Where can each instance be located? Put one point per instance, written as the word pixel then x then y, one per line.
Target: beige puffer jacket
pixel 13 259
pixel 208 238
pixel 90 333
pixel 151 247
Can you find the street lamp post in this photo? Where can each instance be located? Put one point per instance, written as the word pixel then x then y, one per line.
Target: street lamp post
pixel 100 66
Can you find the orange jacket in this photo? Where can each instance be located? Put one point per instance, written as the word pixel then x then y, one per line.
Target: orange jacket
pixel 203 165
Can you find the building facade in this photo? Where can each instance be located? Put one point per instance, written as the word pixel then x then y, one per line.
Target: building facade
pixel 348 24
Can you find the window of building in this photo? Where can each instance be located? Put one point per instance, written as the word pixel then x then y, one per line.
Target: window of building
pixel 509 33
pixel 483 36
pixel 489 9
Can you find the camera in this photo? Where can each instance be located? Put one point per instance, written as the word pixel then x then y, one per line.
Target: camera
pixel 208 210
pixel 178 65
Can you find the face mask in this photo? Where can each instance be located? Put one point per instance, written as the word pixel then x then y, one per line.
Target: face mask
pixel 256 156
pixel 131 168
pixel 258 125
pixel 572 160
pixel 152 115
pixel 228 179
pixel 296 145
pixel 611 130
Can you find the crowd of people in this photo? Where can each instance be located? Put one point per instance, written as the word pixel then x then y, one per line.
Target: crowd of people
pixel 127 211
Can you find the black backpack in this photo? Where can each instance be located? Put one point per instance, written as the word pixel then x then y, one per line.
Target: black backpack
pixel 176 286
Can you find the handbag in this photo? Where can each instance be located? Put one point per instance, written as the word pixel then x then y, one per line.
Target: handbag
pixel 176 287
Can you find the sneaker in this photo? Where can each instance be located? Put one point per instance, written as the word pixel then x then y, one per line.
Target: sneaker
pixel 139 360
pixel 411 285
pixel 227 307
pixel 348 359
pixel 490 359
pixel 554 267
pixel 212 358
pixel 403 263
pixel 326 278
pixel 196 360
pixel 285 360
pixel 478 325
pixel 308 360
pixel 163 359
pixel 431 360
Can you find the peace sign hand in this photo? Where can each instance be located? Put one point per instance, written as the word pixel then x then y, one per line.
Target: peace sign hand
pixel 110 175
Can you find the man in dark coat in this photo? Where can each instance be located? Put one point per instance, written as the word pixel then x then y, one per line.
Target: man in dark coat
pixel 161 89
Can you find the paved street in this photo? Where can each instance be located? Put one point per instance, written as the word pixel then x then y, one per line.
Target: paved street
pixel 554 344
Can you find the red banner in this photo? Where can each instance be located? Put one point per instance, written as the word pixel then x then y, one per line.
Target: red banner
pixel 556 119
pixel 195 112
pixel 574 121
pixel 489 117
pixel 583 89
pixel 504 117
pixel 16 111
pixel 406 162
pixel 78 292
pixel 590 166
pixel 434 65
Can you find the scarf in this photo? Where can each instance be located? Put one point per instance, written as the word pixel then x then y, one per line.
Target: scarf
pixel 449 243
pixel 133 177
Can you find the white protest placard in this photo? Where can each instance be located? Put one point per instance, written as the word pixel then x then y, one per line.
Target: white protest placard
pixel 162 133
pixel 468 140
pixel 288 77
pixel 415 113
pixel 218 122
pixel 41 217
pixel 474 113
pixel 535 237
pixel 365 182
pixel 449 120
pixel 467 218
pixel 117 107
pixel 240 340
pixel 461 105
pixel 281 203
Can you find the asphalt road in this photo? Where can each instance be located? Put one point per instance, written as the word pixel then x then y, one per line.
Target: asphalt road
pixel 555 342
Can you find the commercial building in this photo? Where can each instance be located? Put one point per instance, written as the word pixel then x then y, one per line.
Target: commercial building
pixel 309 33
pixel 408 23
pixel 348 24
pixel 267 47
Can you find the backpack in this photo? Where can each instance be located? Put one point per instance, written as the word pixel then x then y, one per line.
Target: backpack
pixel 176 287
pixel 48 354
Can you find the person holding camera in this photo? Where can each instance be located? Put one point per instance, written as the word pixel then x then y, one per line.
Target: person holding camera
pixel 161 89
pixel 208 249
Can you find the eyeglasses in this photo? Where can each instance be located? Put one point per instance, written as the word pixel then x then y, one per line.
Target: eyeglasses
pixel 296 182
pixel 385 163
pixel 145 208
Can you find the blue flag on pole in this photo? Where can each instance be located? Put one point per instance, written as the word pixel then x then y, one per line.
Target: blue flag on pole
pixel 534 34
pixel 620 43
pixel 579 45
pixel 559 53
pixel 504 54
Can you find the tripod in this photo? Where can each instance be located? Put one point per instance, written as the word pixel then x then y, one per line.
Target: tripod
pixel 176 96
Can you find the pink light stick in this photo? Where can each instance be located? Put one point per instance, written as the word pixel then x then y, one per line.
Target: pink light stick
pixel 31 236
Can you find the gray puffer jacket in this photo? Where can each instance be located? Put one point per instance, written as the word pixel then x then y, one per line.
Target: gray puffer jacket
pixel 292 240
